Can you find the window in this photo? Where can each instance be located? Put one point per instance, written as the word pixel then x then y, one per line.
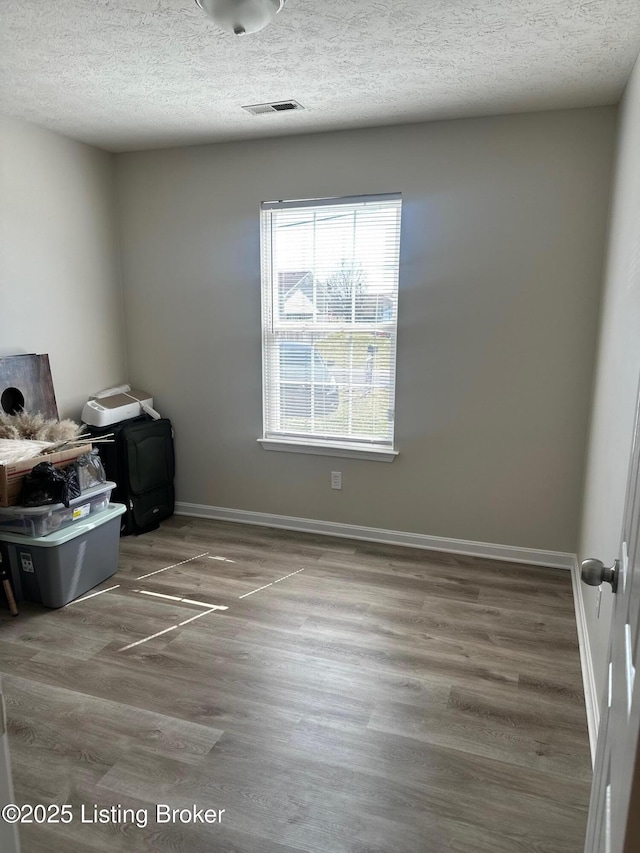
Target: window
pixel 329 313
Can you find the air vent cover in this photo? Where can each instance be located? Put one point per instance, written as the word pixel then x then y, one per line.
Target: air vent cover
pixel 275 107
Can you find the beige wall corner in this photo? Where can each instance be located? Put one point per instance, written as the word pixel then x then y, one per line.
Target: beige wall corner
pixel 60 284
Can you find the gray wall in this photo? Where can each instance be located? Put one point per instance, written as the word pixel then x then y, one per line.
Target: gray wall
pixel 616 377
pixel 504 225
pixel 60 287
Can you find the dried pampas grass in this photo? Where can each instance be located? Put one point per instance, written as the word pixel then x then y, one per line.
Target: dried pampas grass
pixel 36 427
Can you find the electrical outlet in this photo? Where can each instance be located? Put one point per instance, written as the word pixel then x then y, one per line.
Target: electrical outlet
pixel 598 601
pixel 336 479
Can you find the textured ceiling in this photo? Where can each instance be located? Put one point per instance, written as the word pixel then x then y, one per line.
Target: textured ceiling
pixel 130 74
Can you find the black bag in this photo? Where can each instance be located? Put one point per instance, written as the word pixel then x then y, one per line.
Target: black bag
pixel 46 484
pixel 141 462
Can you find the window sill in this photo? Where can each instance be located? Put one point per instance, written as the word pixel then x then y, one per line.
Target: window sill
pixel 373 454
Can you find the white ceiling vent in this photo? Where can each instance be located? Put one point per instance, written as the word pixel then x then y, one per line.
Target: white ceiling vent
pixel 275 107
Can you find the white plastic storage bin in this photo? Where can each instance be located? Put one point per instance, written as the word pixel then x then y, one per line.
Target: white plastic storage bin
pixel 43 520
pixel 54 569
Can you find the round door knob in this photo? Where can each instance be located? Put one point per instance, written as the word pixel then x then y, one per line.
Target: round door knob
pixel 594 572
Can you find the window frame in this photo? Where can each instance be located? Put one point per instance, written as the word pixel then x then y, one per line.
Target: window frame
pixel 358 449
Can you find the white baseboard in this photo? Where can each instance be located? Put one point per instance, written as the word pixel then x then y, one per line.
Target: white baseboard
pixel 586 661
pixel 464 547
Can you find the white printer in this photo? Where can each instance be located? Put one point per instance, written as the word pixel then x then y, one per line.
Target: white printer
pixel 117 404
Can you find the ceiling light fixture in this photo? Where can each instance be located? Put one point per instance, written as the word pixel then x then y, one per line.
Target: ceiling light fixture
pixel 241 16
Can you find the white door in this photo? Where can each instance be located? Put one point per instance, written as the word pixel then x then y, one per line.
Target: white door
pixel 615 803
pixel 8 832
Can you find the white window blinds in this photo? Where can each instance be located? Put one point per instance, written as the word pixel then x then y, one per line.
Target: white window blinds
pixel 329 308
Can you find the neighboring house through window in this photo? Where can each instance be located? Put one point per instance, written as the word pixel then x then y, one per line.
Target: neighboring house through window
pixel 329 314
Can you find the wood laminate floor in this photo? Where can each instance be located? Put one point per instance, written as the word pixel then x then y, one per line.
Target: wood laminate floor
pixel 381 700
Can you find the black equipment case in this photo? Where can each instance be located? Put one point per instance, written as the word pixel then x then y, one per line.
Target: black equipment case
pixel 141 461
